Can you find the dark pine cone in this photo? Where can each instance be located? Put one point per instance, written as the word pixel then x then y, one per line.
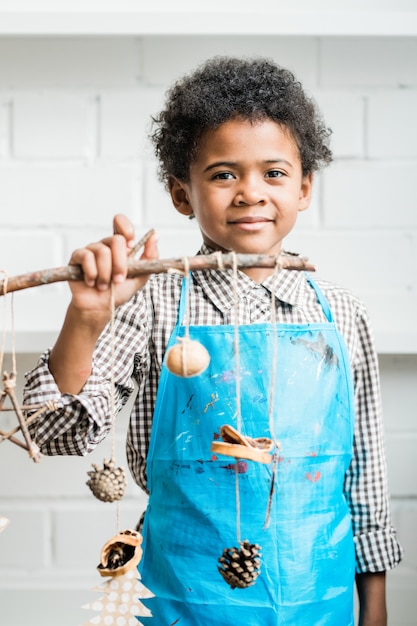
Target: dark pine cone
pixel 240 566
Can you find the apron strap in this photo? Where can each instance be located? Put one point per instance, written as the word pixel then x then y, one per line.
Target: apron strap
pixel 321 299
pixel 183 300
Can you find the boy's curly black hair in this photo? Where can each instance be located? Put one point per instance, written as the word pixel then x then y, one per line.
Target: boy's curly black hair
pixel 224 88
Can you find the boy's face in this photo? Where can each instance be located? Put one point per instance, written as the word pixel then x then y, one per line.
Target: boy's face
pixel 245 187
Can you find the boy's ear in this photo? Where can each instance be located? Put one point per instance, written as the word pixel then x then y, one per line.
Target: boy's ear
pixel 179 196
pixel 305 192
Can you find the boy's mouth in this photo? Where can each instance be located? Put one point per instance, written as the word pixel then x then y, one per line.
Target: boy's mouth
pixel 251 222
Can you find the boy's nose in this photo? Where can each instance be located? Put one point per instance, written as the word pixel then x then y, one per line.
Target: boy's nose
pixel 250 193
pixel 249 197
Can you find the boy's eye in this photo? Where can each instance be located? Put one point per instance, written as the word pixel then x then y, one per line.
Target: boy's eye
pixel 222 176
pixel 274 174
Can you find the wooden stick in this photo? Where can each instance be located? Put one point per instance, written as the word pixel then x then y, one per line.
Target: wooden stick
pixel 215 261
pixel 141 242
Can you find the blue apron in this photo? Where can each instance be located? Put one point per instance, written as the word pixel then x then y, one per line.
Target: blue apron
pixel 307 562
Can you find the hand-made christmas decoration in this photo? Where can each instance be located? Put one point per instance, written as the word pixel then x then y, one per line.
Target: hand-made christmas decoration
pixel 9 382
pixel 24 441
pixel 215 261
pixel 120 554
pixel 239 566
pixel 108 483
pixel 241 447
pixel 121 603
pixel 187 357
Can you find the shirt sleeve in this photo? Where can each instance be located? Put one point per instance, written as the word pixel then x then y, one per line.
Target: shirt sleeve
pixel 366 486
pixel 76 424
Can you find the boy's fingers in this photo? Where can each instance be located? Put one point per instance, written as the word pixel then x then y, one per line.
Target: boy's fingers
pixel 102 261
pixel 86 258
pixel 107 260
pixel 103 258
pixel 119 255
pixel 123 226
pixel 111 257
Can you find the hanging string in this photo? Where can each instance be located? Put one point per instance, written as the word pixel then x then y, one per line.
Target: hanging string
pixel 112 376
pixel 4 326
pixel 113 390
pixel 236 340
pixel 13 336
pixel 219 259
pixel 274 360
pixel 3 333
pixel 237 378
pixel 272 398
pixel 186 263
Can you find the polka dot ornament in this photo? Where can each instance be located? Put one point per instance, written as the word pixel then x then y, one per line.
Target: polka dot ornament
pixel 120 605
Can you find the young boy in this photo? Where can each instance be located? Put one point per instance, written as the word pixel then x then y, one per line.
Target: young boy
pixel 238 143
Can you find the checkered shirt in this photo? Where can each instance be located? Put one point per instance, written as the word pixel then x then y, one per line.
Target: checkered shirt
pixel 142 329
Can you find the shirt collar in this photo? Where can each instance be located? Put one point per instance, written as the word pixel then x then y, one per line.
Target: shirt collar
pixel 288 285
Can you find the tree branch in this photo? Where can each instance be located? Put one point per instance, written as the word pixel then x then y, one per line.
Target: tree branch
pixel 215 261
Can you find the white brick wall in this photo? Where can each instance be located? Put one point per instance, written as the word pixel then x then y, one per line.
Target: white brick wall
pixel 53 126
pixel 367 63
pixel 69 62
pixel 166 58
pixel 74 116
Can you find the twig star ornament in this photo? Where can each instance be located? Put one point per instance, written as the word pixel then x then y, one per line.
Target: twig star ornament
pixel 9 382
pixel 8 393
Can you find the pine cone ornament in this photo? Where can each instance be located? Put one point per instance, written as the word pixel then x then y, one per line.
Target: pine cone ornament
pixel 240 566
pixel 109 483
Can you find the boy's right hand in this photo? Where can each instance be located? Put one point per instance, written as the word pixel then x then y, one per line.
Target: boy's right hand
pixel 105 262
